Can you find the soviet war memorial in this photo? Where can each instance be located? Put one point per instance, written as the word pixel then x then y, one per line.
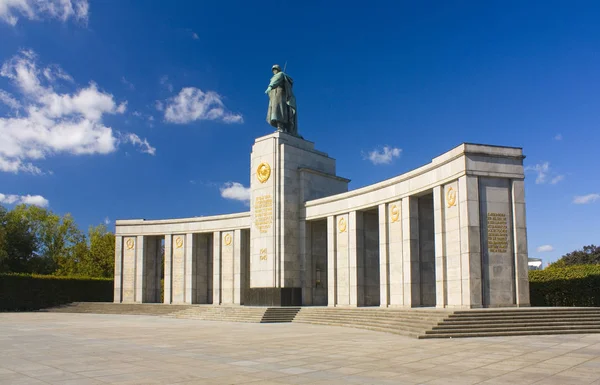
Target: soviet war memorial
pixel 450 234
pixel 292 193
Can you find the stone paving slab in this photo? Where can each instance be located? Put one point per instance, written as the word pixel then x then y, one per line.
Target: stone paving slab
pixel 62 348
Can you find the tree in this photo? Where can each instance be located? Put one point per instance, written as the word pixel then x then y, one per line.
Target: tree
pixel 17 243
pixel 56 238
pixel 589 255
pixel 99 260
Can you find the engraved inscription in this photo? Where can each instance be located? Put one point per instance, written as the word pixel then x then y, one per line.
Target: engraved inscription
pixel 263 254
pixel 263 212
pixel 497 229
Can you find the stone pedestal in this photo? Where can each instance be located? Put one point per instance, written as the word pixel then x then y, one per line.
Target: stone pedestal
pixel 286 171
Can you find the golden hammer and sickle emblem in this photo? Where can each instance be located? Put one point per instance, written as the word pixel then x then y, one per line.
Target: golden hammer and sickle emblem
pixel 227 239
pixel 263 172
pixel 130 243
pixel 178 242
pixel 450 197
pixel 342 225
pixel 395 213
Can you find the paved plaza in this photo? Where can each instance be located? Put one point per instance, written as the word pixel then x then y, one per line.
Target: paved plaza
pixel 59 348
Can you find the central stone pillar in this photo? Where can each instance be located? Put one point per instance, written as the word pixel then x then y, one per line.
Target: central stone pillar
pixel 286 171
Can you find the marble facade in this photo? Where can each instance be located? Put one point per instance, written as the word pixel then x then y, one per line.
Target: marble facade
pixel 450 234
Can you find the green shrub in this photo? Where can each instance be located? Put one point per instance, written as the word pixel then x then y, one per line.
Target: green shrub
pixel 577 285
pixel 30 292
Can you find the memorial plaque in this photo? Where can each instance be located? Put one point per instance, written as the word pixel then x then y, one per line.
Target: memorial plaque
pixel 497 230
pixel 263 212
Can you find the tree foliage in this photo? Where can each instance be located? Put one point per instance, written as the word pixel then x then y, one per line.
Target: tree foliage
pixel 589 255
pixel 36 240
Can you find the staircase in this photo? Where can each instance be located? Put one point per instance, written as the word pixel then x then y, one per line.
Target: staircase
pixel 418 323
pixel 157 309
pixel 238 314
pixel 517 322
pixel 412 322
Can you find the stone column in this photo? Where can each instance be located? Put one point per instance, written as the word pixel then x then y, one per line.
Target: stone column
pixel 440 249
pixel 118 280
pixel 410 251
pixel 520 240
pixel 395 258
pixel 128 271
pixel 307 262
pixel 237 267
pixel 167 276
pixel 217 268
pixel 470 241
pixel 139 269
pixel 356 259
pixel 384 273
pixel 331 262
pixel 190 269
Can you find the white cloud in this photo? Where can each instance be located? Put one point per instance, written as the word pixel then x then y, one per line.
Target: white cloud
pixel 52 122
pixel 144 146
pixel 545 249
pixel 585 199
pixel 544 171
pixel 541 169
pixel 195 36
pixel 164 81
pixel 107 221
pixel 36 200
pixel 383 156
pixel 10 10
pixel 194 104
pixel 558 137
pixel 236 191
pixel 127 83
pixel 7 99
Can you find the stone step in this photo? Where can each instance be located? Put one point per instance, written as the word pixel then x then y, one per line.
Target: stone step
pixel 381 327
pixel 523 320
pixel 367 327
pixel 519 318
pixel 407 317
pixel 507 333
pixel 381 323
pixel 492 328
pixel 497 313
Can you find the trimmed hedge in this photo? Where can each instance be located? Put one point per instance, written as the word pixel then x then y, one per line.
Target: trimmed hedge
pixel 577 285
pixel 31 292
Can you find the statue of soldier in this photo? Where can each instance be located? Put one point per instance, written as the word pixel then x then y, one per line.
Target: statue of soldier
pixel 282 102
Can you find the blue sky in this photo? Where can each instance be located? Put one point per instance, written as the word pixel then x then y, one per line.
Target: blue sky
pixel 112 110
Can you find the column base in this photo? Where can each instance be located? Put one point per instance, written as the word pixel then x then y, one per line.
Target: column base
pixel 273 296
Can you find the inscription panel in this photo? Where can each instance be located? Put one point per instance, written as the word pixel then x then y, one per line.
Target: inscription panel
pixel 497 226
pixel 263 212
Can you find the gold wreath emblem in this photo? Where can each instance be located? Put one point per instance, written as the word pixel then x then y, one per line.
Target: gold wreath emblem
pixel 450 197
pixel 130 243
pixel 178 242
pixel 263 172
pixel 395 213
pixel 227 239
pixel 342 225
